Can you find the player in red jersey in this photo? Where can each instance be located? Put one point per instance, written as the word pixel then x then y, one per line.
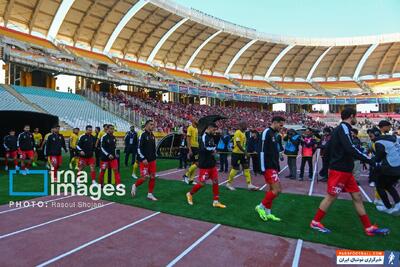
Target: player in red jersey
pixel 85 148
pixel 52 149
pixel 341 153
pixel 10 145
pixel 108 145
pixel 25 144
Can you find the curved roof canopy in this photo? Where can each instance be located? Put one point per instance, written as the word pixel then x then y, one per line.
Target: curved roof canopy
pixel 165 33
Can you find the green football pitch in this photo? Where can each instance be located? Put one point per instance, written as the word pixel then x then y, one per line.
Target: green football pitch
pixel 295 210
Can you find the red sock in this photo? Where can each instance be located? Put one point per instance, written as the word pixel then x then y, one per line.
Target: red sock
pixel 152 183
pixel 117 177
pixel 319 215
pixel 139 182
pixel 267 201
pixel 365 221
pixel 93 175
pixel 101 177
pixel 28 165
pixel 195 188
pixel 215 189
pixel 15 163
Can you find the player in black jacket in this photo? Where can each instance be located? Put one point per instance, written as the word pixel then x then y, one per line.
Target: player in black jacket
pixel 25 144
pixel 52 149
pixel 10 146
pixel 131 143
pixel 108 145
pixel 342 153
pixel 147 160
pixel 207 166
pixel 269 156
pixel 85 147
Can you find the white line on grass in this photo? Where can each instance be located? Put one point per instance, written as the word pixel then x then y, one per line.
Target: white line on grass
pixel 297 253
pixel 314 174
pixel 195 244
pixel 30 205
pixel 52 221
pixel 236 176
pixel 163 174
pixel 96 240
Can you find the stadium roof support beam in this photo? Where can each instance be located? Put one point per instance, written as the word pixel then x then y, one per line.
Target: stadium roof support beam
pixel 334 62
pixel 314 67
pixel 395 64
pixel 294 58
pixel 276 61
pixel 192 58
pixel 34 15
pixel 165 38
pixel 238 55
pixel 82 23
pixel 122 23
pixel 258 64
pixel 303 62
pixel 378 70
pixel 59 18
pixel 345 62
pixel 7 13
pixel 363 60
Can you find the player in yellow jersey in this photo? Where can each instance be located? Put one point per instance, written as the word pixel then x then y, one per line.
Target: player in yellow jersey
pixel 240 157
pixel 37 139
pixel 193 155
pixel 73 156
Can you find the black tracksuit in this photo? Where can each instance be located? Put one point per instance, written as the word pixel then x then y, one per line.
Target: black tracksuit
pixel 342 151
pixel 183 151
pixel 86 143
pixel 270 148
pixel 10 143
pixel 206 152
pixel 25 141
pixel 54 144
pixel 131 144
pixel 147 147
pixel 108 145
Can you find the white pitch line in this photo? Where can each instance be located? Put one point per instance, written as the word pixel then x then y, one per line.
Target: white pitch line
pixel 52 221
pixel 234 177
pixel 163 174
pixel 313 177
pixel 195 244
pixel 365 194
pixel 297 253
pixel 96 240
pixel 48 201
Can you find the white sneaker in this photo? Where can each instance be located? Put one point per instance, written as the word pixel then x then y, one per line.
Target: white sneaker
pixel 386 210
pixel 151 197
pixel 6 168
pixel 230 187
pixel 185 179
pixel 133 190
pixel 396 209
pixel 378 202
pixel 372 184
pixel 134 176
pixel 252 187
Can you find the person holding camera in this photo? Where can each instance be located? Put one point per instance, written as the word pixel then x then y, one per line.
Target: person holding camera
pixel 292 140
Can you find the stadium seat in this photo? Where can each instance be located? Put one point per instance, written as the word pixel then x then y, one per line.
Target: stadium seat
pixel 73 109
pixel 9 102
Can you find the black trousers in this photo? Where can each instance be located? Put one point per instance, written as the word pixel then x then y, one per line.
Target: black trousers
pixel 386 183
pixel 97 153
pixel 305 160
pixel 183 158
pixel 128 152
pixel 325 166
pixel 223 162
pixel 255 161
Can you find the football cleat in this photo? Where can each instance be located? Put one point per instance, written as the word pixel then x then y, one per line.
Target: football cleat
pixel 185 179
pixel 133 190
pixel 134 176
pixel 272 217
pixel 374 230
pixel 151 197
pixel 319 227
pixel 217 204
pixel 261 212
pixel 230 187
pixel 189 198
pixel 252 187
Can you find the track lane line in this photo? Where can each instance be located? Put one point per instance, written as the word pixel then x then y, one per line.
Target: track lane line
pixel 96 240
pixel 297 253
pixel 191 247
pixel 52 221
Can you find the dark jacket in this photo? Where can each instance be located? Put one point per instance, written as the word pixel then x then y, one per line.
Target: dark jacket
pixel 10 143
pixel 25 141
pixel 387 152
pixel 253 144
pixel 207 148
pixel 323 144
pixel 86 143
pixel 131 141
pixel 108 145
pixel 270 148
pixel 147 147
pixel 54 144
pixel 342 150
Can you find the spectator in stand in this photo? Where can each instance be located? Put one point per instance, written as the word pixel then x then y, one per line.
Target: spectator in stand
pixel 308 147
pixel 292 140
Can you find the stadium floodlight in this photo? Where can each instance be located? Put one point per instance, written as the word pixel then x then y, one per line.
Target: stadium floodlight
pixel 277 59
pixel 194 55
pixel 59 18
pixel 314 67
pixel 238 55
pixel 363 60
pixel 122 23
pixel 163 39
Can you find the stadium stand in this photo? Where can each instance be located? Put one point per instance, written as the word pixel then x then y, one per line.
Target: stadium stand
pixel 344 85
pixel 387 86
pixel 255 84
pixel 9 102
pixel 26 38
pixel 301 86
pixel 215 80
pixel 74 109
pixel 89 55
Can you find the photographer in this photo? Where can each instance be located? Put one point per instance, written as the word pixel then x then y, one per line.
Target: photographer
pixel 292 140
pixel 308 144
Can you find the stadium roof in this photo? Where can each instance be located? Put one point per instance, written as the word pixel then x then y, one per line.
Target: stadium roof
pixel 165 33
